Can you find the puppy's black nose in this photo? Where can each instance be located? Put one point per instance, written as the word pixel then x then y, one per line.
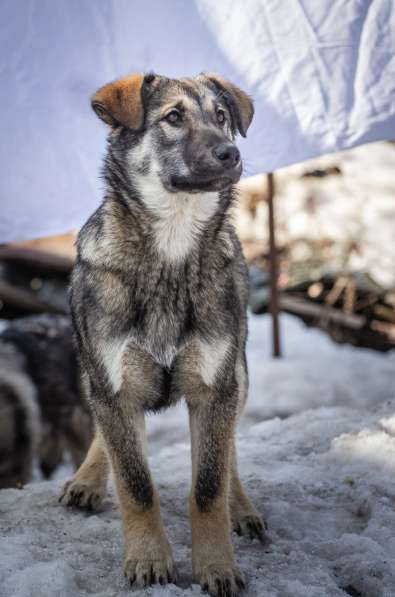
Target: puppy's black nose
pixel 227 154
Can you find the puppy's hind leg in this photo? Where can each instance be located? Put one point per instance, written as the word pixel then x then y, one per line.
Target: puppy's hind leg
pixel 244 517
pixel 246 520
pixel 87 488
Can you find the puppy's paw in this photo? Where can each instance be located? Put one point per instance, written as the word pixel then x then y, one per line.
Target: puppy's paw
pixel 252 526
pixel 221 581
pixel 143 571
pixel 77 494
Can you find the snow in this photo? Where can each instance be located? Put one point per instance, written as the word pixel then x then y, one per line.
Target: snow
pixel 316 452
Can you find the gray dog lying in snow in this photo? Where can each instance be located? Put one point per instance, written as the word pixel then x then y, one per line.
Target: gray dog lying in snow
pixel 42 414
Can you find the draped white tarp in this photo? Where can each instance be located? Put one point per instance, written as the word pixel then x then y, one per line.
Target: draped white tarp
pixel 322 73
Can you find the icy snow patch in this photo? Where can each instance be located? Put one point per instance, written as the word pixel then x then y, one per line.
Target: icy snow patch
pixel 323 479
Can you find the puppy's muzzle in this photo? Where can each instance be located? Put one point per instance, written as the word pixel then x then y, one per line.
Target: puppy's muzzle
pixel 227 155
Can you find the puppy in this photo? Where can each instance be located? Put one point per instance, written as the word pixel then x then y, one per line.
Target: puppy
pixel 158 298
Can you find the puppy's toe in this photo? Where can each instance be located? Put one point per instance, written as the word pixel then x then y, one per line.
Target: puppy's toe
pixel 144 572
pixel 222 582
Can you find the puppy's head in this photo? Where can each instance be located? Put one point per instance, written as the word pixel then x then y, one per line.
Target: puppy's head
pixel 179 131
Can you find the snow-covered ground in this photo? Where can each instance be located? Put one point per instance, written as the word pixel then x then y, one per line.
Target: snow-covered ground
pixel 317 454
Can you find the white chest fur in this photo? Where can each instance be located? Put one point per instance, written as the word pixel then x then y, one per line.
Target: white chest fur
pixel 180 221
pixel 179 218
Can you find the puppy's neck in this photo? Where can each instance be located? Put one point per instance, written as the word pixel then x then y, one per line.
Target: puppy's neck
pixel 177 220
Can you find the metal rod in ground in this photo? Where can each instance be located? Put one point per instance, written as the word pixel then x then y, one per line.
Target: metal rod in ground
pixel 274 294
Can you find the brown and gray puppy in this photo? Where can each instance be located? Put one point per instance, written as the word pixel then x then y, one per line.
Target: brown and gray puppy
pixel 158 298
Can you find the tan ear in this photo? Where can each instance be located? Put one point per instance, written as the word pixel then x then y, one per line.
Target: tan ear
pixel 239 102
pixel 120 102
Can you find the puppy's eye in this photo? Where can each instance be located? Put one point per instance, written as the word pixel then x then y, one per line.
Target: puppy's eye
pixel 173 117
pixel 221 116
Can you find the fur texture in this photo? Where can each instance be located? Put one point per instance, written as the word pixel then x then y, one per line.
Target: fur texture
pixel 158 297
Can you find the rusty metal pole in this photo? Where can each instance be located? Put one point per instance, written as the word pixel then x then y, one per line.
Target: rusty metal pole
pixel 274 298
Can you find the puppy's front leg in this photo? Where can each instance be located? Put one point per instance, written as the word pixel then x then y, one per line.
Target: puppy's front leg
pixel 212 424
pixel 148 557
pixel 120 417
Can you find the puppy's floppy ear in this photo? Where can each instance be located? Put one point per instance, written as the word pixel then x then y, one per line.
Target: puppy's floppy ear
pixel 239 103
pixel 121 102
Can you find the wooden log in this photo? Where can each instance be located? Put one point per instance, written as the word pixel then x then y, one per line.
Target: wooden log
pixel 48 262
pixel 320 312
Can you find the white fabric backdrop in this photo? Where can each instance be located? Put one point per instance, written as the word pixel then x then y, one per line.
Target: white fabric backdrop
pixel 322 73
